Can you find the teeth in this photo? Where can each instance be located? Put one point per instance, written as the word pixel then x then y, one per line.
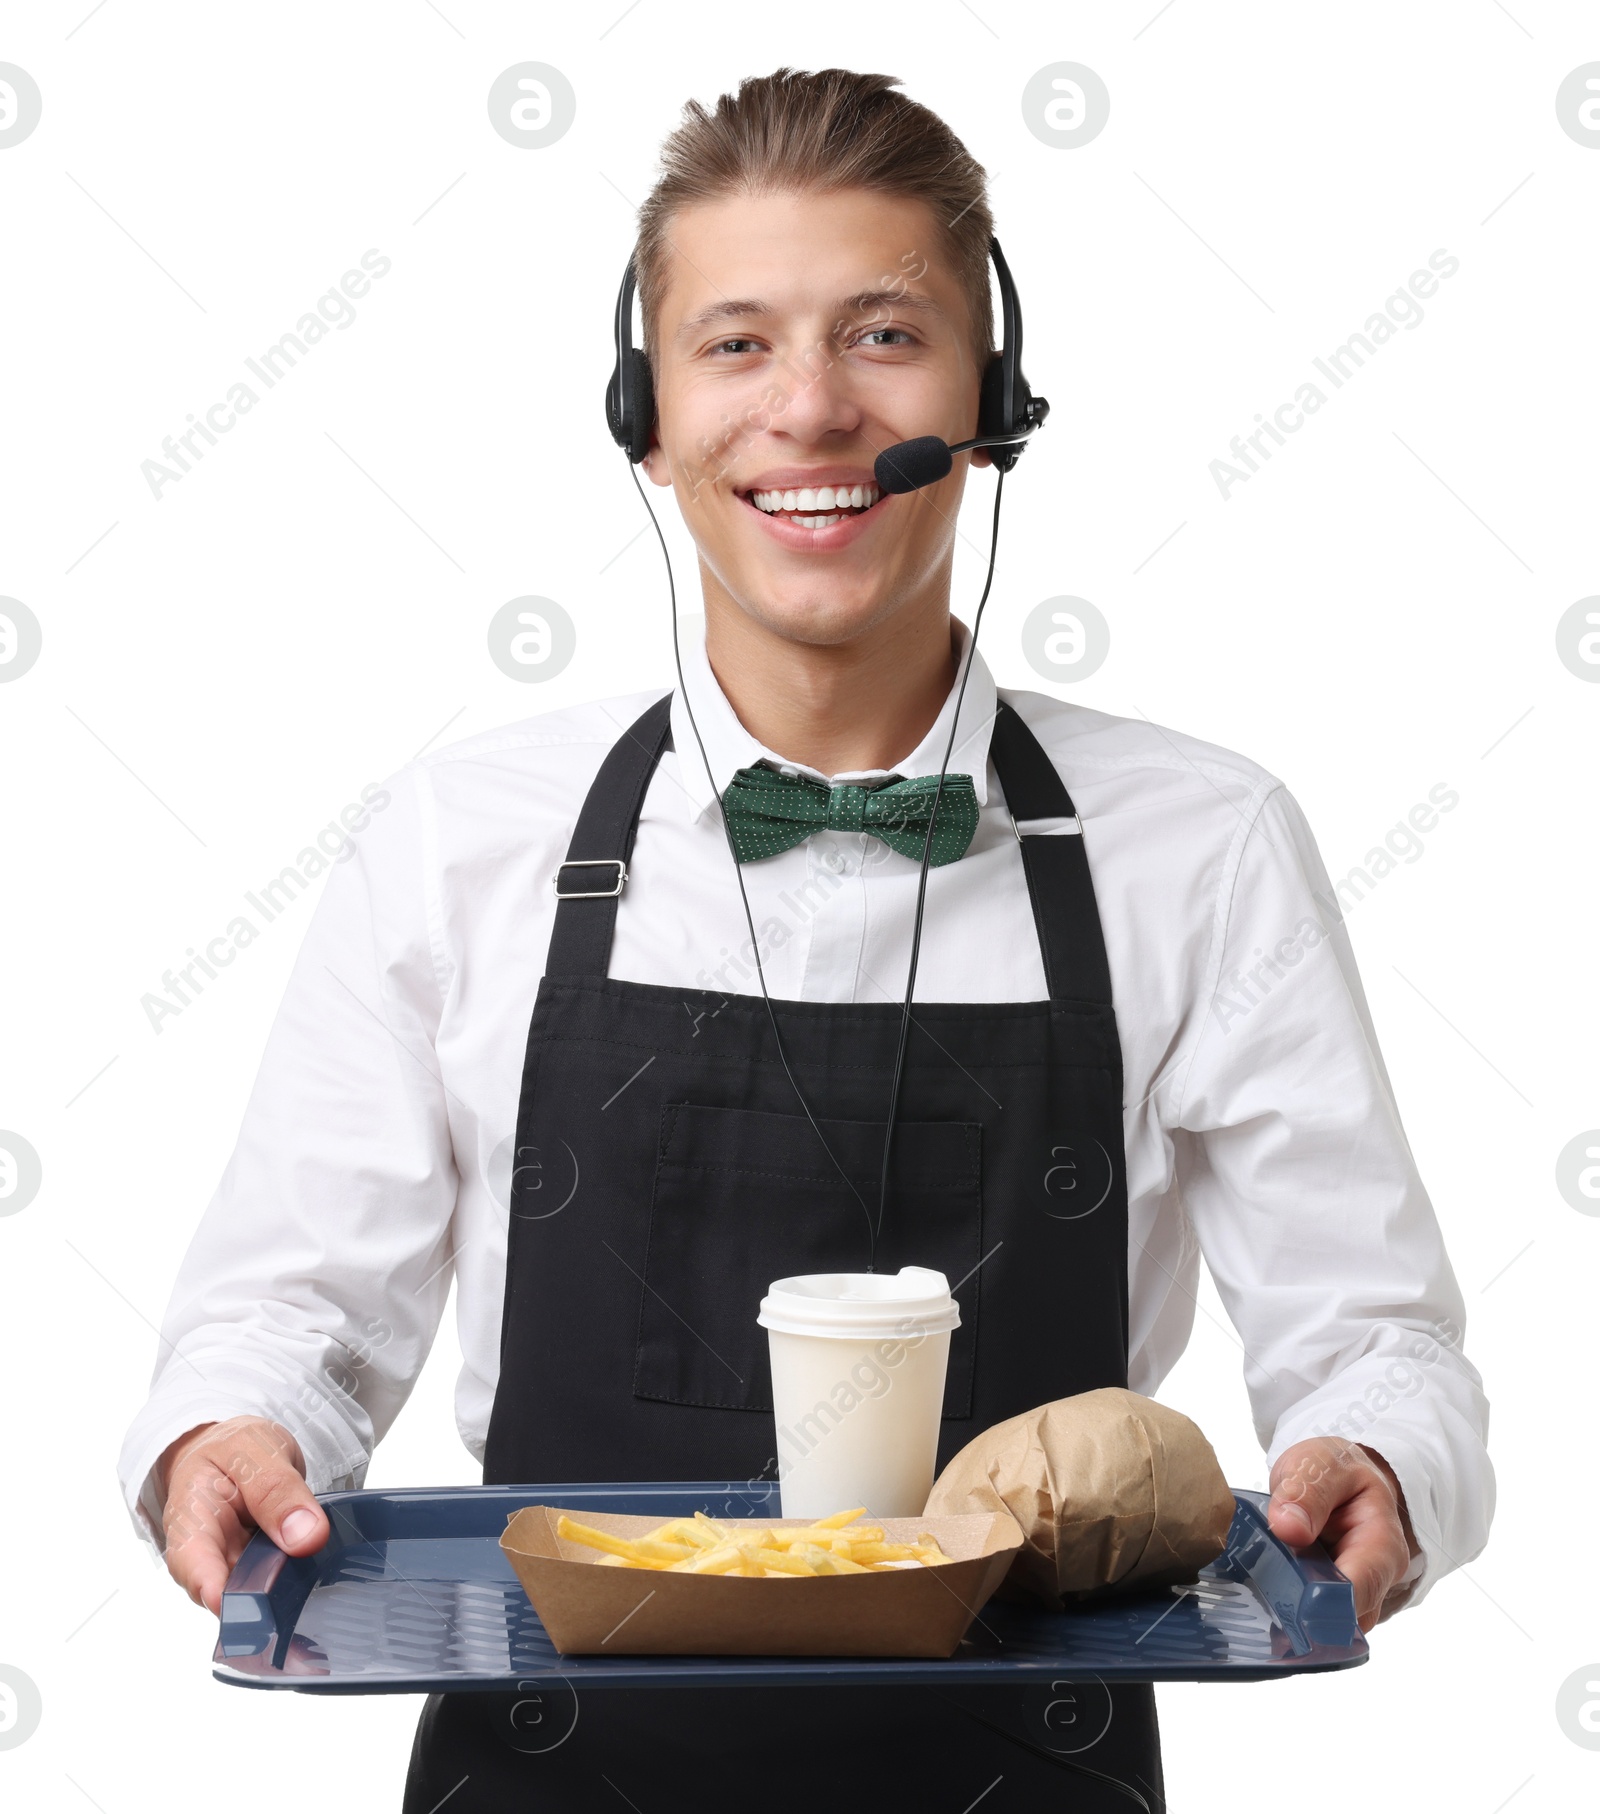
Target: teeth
pixel 822 498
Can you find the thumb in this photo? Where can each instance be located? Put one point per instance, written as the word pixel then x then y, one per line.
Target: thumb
pixel 282 1505
pixel 1305 1483
pixel 1292 1522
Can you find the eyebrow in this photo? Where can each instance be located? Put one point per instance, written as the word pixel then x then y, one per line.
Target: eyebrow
pixel 864 302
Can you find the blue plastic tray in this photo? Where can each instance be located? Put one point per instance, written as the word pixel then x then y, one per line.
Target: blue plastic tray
pixel 413 1595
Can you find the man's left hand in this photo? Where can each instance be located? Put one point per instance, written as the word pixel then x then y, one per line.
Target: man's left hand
pixel 1349 1497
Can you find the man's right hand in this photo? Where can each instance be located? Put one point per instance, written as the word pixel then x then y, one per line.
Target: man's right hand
pixel 221 1482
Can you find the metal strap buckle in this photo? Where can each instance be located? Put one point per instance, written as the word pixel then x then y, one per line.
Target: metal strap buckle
pixel 590 894
pixel 1047 828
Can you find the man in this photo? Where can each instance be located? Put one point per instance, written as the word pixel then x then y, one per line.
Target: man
pixel 813 273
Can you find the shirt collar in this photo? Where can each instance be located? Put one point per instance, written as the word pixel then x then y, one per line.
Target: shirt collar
pixel 729 746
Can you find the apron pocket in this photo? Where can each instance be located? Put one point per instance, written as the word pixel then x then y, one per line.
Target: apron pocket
pixel 743 1198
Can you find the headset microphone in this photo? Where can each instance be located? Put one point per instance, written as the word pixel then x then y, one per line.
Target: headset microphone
pixel 1008 412
pixel 909 465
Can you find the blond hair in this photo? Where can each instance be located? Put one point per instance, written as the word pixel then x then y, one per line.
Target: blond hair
pixel 822 130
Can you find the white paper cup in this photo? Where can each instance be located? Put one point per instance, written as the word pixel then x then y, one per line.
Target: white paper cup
pixel 858 1366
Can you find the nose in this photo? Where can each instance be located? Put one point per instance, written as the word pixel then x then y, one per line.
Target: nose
pixel 821 395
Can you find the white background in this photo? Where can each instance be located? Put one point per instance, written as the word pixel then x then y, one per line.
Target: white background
pixel 1370 615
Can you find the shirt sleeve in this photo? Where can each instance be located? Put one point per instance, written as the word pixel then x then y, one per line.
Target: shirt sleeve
pixel 1305 1199
pixel 313 1287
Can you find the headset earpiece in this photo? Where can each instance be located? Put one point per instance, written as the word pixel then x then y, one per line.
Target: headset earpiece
pixel 1005 403
pixel 634 426
pixel 994 413
pixel 630 393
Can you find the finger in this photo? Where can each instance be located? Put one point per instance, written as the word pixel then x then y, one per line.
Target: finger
pixel 278 1500
pixel 1369 1549
pixel 1369 1565
pixel 255 1466
pixel 1308 1481
pixel 202 1542
pixel 1292 1522
pixel 203 1574
pixel 237 1477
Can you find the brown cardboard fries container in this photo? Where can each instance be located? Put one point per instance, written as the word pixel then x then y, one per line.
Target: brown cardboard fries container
pixel 897 1612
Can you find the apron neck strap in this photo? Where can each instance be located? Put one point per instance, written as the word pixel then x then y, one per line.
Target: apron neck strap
pixel 586 916
pixel 1055 862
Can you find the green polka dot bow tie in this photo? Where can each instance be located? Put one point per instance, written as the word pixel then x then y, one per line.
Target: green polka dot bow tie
pixel 769 812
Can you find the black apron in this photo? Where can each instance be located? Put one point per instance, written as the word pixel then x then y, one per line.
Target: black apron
pixel 665 1175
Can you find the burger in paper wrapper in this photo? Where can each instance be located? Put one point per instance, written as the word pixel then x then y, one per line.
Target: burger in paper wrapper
pixel 1111 1490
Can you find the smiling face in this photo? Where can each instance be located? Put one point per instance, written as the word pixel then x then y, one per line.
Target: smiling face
pixel 798 336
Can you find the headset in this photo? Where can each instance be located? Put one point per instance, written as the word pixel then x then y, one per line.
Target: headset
pixel 1008 414
pixel 1008 411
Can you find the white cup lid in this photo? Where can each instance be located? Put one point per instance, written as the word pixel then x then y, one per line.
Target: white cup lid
pixel 877 1305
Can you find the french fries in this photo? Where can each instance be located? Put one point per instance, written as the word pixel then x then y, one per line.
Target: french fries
pixel 835 1545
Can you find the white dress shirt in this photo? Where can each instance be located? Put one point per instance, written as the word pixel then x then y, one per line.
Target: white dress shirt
pixel 1261 1131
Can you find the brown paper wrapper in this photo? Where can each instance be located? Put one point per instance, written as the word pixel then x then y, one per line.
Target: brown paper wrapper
pixel 1111 1491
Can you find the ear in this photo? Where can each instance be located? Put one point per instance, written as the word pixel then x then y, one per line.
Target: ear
pixel 980 457
pixel 655 464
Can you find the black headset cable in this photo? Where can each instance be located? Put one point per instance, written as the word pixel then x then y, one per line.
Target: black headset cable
pixel 873 1225
pixel 927 853
pixel 738 871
